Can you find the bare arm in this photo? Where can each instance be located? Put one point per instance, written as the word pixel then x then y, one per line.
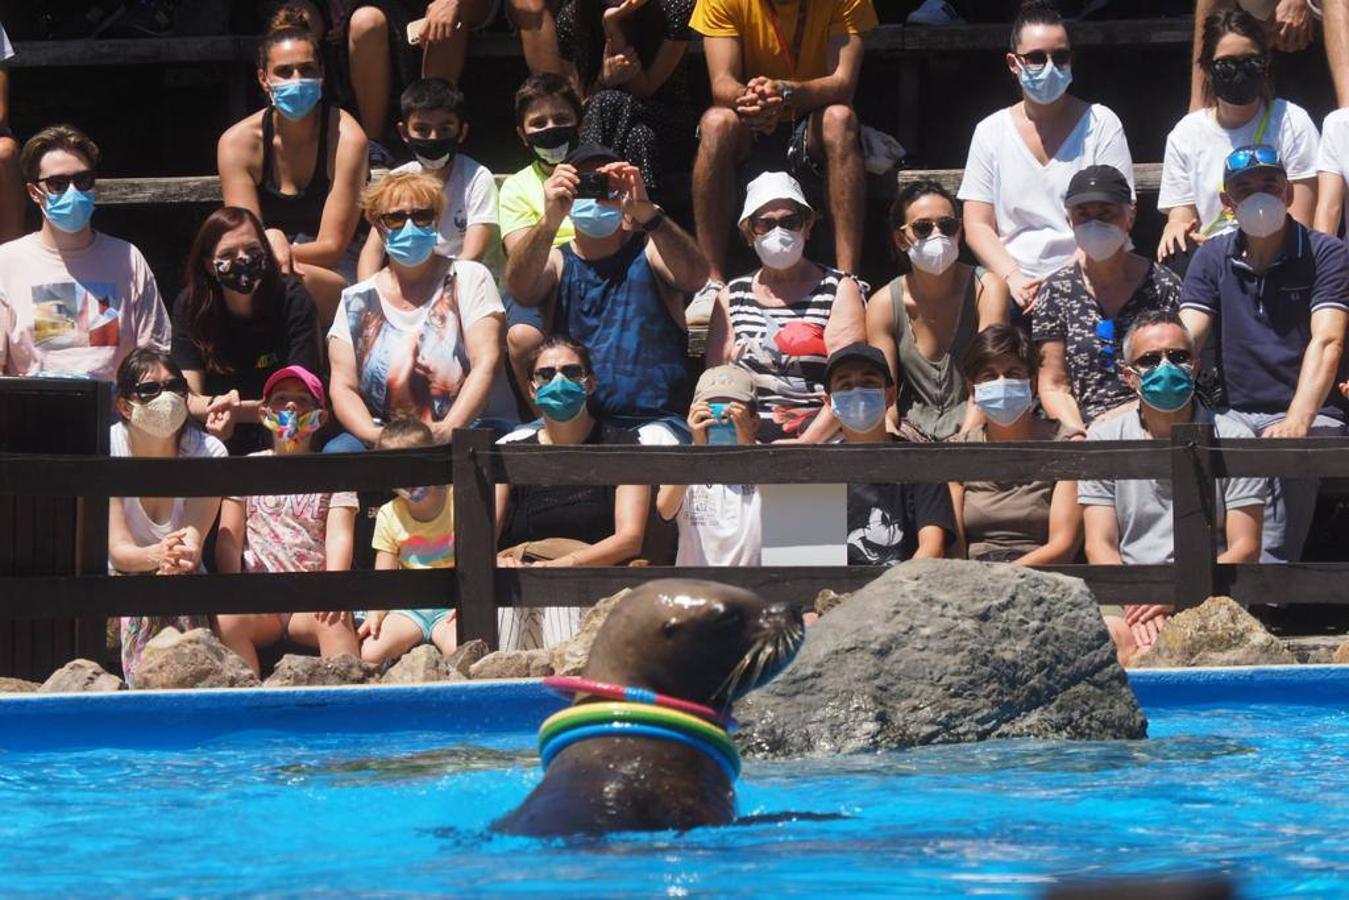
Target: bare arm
pixel 1182 226
pixel 348 405
pixel 676 257
pixel 1329 203
pixel 1065 529
pixel 839 86
pixel 847 317
pixel 958 507
pixel 725 70
pixel 648 81
pixel 1320 363
pixel 931 542
pixel 720 337
pixel 478 240
pixel 1102 532
pixel 1198 323
pixel 483 344
pixel 339 541
pixel 1055 388
pixel 669 499
pixel 235 156
pixel 4 95
pixel 880 322
pixel 371 259
pixel 1303 209
pixel 503 506
pixel 1243 526
pixel 821 428
pixel 341 211
pixel 229 539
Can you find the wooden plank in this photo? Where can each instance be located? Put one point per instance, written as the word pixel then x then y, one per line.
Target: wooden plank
pixel 134 51
pixel 1281 458
pixel 38 597
pixel 1320 583
pixel 475 536
pixel 1193 514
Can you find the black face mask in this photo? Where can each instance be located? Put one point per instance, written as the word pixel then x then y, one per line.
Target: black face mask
pixel 432 150
pixel 1238 81
pixel 241 274
pixel 552 145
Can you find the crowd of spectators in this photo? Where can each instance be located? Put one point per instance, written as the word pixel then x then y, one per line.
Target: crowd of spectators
pixel 329 309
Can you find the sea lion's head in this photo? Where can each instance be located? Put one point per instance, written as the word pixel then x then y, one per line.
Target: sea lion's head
pixel 697 640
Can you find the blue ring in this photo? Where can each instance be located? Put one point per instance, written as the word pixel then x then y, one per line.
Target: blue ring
pixel 625 729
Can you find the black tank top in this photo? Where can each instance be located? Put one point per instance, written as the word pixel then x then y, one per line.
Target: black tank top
pixel 294 213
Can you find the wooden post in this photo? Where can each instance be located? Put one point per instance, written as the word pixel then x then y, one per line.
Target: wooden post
pixel 91 537
pixel 1194 517
pixel 475 536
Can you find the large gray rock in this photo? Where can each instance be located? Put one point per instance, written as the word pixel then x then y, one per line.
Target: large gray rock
pixel 512 664
pixel 81 676
pixel 295 670
pixel 423 664
pixel 462 658
pixel 195 659
pixel 1218 632
pixel 17 686
pixel 569 657
pixel 940 651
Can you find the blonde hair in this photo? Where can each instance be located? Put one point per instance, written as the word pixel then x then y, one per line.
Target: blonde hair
pixel 392 190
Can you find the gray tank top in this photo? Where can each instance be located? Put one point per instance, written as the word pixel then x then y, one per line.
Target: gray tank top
pixel 932 393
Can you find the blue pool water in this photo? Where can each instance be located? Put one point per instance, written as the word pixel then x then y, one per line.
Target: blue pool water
pixel 391 791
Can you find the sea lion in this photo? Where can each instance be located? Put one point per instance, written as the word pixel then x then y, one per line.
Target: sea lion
pixel 698 641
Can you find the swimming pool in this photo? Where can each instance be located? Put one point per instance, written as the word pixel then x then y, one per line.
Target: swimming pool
pixel 390 790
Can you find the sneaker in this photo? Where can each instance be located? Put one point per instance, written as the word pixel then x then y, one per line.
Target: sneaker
pixel 699 311
pixel 935 12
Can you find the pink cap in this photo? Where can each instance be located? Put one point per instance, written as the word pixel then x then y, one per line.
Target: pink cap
pixel 310 380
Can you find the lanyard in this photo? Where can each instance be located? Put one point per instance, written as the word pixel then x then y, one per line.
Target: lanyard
pixel 793 52
pixel 1225 218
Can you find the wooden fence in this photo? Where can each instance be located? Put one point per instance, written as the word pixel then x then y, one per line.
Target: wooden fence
pixel 68 582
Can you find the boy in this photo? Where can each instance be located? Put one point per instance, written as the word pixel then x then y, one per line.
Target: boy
pixel 719 524
pixel 434 128
pixel 296 533
pixel 413 531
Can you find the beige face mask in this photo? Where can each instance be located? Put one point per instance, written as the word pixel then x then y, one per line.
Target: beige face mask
pixel 160 417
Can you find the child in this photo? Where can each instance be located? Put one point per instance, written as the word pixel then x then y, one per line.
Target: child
pixel 719 524
pixel 413 531
pixel 295 533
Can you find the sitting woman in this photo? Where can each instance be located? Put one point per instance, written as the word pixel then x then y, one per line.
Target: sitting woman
pixel 781 322
pixel 565 525
pixel 422 335
pixel 925 320
pixel 1037 524
pixel 299 164
pixel 238 321
pixel 1240 108
pixel 629 59
pixel 156 535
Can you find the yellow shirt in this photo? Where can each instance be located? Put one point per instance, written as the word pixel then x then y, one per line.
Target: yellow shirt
pixel 520 204
pixel 767 29
pixel 417 544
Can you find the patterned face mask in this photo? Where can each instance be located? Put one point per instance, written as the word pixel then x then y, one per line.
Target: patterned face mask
pixel 290 426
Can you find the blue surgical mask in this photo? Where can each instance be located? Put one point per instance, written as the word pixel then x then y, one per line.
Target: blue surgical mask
pixel 1166 387
pixel 859 409
pixel 412 244
pixel 69 212
pixel 561 399
pixel 1003 401
pixel 593 219
pixel 1046 84
pixel 296 98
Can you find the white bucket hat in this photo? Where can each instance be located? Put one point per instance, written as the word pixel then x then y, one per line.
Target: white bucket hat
pixel 768 187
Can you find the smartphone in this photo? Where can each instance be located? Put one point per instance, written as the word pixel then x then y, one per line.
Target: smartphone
pixel 415 30
pixel 594 186
pixel 722 431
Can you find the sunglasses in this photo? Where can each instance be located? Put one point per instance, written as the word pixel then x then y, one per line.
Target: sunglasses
pixel 146 391
pixel 1153 358
pixel 1245 158
pixel 572 372
pixel 58 184
pixel 1036 59
pixel 761 225
pixel 422 218
pixel 1229 65
pixel 922 228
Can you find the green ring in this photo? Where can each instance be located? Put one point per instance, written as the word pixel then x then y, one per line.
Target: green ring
pixel 579 716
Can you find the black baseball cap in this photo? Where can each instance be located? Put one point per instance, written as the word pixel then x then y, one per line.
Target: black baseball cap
pixel 591 152
pixel 858 352
pixel 1099 184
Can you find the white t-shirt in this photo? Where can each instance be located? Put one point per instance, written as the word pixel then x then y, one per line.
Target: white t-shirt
pixel 76 313
pixel 1192 171
pixel 470 199
pixel 720 525
pixel 1027 197
pixel 1333 154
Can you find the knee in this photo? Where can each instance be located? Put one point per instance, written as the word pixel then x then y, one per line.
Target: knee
pixel 527 13
pixel 718 126
pixel 371 654
pixel 367 24
pixel 839 127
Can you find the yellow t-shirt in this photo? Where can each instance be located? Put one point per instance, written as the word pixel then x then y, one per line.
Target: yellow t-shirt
pixel 757 23
pixel 520 204
pixel 417 544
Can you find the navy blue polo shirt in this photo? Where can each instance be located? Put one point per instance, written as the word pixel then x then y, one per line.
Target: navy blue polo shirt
pixel 1264 321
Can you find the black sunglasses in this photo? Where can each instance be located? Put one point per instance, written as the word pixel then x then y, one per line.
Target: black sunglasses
pixel 420 217
pixel 761 225
pixel 1228 65
pixel 57 184
pixel 1036 59
pixel 571 371
pixel 1153 358
pixel 922 228
pixel 146 391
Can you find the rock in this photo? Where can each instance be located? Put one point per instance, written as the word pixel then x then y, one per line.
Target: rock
pixel 827 600
pixel 466 654
pixel 1218 632
pixel 944 651
pixel 422 665
pixel 17 686
pixel 1341 654
pixel 295 670
pixel 196 659
pixel 1317 649
pixel 512 664
pixel 81 676
pixel 569 657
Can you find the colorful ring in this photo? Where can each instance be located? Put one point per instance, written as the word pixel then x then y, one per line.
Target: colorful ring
pixel 599 713
pixel 729 766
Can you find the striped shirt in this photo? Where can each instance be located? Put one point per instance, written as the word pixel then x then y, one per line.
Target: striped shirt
pixel 783 350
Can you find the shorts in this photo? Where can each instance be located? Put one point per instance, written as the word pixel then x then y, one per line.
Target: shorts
pixel 782 149
pixel 426 619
